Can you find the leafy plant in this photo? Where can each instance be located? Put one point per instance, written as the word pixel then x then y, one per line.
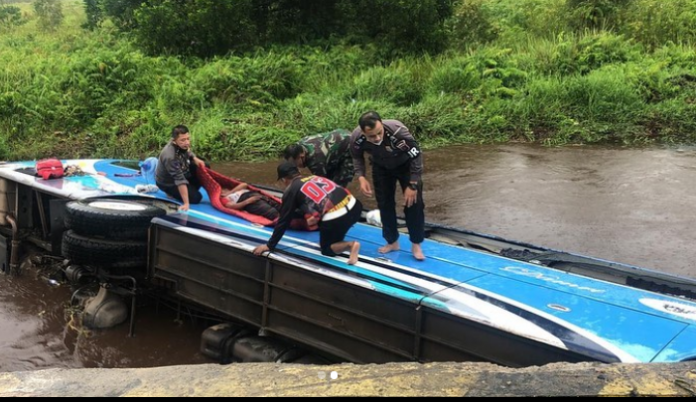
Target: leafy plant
pixel 94 13
pixel 10 16
pixel 472 24
pixel 593 14
pixel 195 27
pixel 50 13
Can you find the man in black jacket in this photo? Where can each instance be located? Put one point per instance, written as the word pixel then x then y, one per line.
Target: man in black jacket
pixel 321 200
pixel 396 157
pixel 176 170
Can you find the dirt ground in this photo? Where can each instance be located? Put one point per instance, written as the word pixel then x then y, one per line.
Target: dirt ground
pixel 353 380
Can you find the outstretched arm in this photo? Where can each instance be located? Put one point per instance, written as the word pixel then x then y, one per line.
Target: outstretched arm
pixel 358 155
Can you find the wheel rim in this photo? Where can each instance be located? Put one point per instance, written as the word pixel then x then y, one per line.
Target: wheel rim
pixel 118 206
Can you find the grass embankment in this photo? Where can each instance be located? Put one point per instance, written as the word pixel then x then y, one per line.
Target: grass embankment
pixel 521 72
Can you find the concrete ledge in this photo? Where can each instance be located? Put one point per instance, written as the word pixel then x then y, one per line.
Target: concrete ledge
pixel 442 379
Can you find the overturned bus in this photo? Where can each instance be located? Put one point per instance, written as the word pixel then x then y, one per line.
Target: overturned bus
pixel 476 298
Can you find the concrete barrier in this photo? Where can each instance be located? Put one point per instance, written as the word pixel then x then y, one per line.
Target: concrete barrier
pixel 351 380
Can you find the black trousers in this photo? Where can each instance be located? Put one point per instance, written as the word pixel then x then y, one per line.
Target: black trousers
pixel 335 231
pixel 261 207
pixel 385 190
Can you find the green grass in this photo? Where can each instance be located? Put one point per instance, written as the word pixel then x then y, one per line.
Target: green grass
pixel 529 75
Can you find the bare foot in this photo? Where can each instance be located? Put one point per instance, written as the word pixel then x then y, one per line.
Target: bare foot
pixel 418 252
pixel 389 248
pixel 354 250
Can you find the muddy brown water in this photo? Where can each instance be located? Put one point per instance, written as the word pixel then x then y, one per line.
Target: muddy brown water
pixel 634 206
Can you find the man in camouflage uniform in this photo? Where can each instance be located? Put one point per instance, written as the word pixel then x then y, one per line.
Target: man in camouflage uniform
pixel 326 155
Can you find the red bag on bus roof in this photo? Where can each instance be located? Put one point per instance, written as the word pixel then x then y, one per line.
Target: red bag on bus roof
pixel 49 168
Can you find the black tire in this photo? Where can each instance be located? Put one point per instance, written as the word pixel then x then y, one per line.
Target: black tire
pixel 83 250
pixel 113 219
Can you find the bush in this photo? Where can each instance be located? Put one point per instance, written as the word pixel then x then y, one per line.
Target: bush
pixel 50 13
pixel 405 26
pixel 121 12
pixel 456 75
pixel 500 75
pixel 604 98
pixel 10 16
pixel 595 51
pixel 195 27
pixel 658 22
pixel 473 24
pixel 209 27
pixel 4 148
pixel 398 27
pixel 94 14
pixel 317 113
pixel 298 22
pixel 596 14
pixel 394 84
pixel 673 119
pixel 438 120
pixel 250 81
pixel 508 23
pixel 219 135
pixel 583 53
pixel 109 79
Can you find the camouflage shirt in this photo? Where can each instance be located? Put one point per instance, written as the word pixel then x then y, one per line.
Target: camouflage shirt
pixel 328 155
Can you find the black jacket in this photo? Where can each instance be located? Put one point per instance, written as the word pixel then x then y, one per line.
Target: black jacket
pixel 314 196
pixel 398 147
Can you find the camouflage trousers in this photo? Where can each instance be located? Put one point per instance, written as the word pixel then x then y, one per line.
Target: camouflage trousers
pixel 341 171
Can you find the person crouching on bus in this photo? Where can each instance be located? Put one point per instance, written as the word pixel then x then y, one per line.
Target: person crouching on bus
pixel 322 200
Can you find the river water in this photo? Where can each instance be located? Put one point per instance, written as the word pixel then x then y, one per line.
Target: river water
pixel 629 205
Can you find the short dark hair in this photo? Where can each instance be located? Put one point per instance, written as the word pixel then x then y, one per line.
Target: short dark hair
pixel 179 130
pixel 369 120
pixel 293 151
pixel 287 169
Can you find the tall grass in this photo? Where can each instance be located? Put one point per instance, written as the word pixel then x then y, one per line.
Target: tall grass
pixel 528 76
pixel 656 23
